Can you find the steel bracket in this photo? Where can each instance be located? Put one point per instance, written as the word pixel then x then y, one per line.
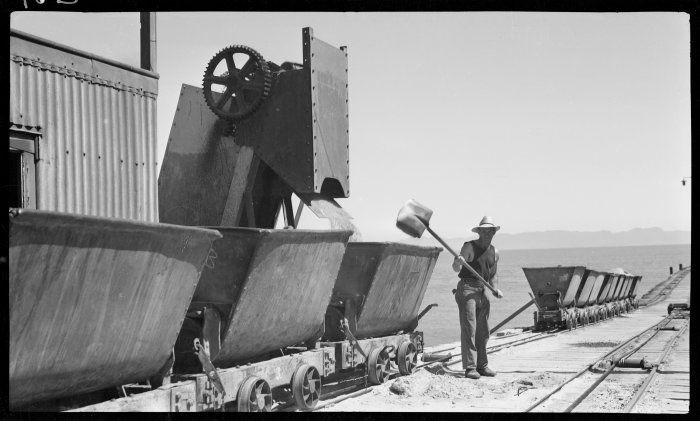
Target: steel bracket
pixel 208 396
pixel 183 401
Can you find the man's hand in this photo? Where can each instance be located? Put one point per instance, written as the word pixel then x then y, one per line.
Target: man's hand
pixel 457 263
pixel 498 293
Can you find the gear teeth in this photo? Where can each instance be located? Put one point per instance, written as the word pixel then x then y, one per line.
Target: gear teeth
pixel 263 70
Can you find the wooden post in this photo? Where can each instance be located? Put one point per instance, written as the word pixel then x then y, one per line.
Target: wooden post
pixel 670 270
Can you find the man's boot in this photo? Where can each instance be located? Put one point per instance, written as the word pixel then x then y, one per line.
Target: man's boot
pixel 486 371
pixel 472 374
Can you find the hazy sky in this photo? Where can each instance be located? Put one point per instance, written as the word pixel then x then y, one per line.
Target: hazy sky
pixel 542 120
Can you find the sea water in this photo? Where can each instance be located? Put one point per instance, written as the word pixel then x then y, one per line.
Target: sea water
pixel 441 324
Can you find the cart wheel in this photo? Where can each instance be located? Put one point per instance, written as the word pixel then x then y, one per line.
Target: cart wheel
pixel 378 366
pixel 254 395
pixel 306 387
pixel 406 357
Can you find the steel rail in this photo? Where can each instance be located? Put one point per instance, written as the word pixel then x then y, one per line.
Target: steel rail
pixel 439 350
pixel 654 328
pixel 592 387
pixel 519 342
pixel 647 381
pixel 449 348
pixel 344 397
pixel 364 390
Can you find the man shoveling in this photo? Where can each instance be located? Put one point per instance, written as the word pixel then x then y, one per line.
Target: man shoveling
pixel 413 219
pixel 473 303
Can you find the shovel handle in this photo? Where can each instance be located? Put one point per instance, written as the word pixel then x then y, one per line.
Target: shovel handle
pixel 461 261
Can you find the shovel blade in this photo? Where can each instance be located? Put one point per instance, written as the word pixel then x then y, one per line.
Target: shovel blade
pixel 412 218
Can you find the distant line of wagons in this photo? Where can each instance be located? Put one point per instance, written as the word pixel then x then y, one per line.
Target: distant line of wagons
pixel 573 296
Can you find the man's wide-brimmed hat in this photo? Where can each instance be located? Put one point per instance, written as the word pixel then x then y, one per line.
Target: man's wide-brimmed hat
pixel 486 222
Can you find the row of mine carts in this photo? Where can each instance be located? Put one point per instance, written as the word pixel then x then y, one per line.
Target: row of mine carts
pixel 573 296
pixel 202 318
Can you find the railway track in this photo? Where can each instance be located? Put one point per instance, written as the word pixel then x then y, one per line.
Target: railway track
pixel 569 396
pixel 605 366
pixel 661 291
pixel 358 388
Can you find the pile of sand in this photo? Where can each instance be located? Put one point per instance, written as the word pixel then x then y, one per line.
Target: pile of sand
pixel 447 386
pixel 437 390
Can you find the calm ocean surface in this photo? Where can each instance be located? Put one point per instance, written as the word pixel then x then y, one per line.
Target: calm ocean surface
pixel 441 324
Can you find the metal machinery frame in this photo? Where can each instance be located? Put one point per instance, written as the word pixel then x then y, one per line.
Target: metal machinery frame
pixel 196 392
pixel 350 354
pixel 242 171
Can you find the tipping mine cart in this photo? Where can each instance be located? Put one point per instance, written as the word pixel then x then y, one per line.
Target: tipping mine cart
pixel 634 289
pixel 555 290
pixel 587 308
pixel 572 296
pixel 375 307
pixel 266 291
pixel 249 336
pixel 609 307
pixel 602 297
pixel 616 303
pixel 95 302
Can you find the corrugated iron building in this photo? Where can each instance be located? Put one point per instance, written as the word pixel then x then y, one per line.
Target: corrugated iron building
pixel 82 131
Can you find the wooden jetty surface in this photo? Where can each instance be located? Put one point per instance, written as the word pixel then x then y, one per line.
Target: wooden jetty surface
pixel 556 358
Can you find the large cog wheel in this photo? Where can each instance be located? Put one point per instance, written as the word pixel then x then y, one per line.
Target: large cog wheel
pixel 236 81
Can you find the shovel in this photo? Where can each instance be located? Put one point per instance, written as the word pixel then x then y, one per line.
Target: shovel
pixel 413 219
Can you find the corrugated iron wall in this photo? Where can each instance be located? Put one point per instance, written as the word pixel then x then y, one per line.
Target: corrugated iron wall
pixel 97 153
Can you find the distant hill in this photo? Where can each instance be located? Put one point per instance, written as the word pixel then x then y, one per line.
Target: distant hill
pixel 571 239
